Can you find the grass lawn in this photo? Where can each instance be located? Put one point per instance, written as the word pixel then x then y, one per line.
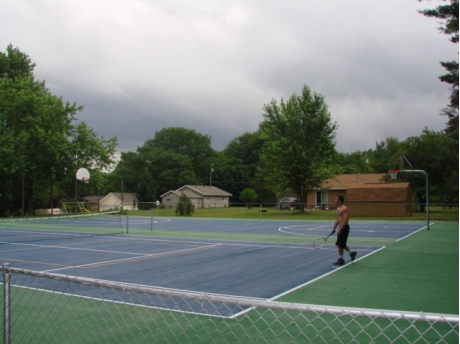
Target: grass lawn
pixel 257 212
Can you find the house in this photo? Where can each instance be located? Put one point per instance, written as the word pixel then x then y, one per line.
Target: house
pixel 112 201
pixel 365 195
pixel 201 196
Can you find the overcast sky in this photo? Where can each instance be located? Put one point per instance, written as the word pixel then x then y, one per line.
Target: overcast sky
pixel 139 66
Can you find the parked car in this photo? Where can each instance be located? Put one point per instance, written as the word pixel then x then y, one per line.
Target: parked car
pixel 289 203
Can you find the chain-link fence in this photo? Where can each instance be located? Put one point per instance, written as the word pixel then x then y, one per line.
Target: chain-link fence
pixel 42 307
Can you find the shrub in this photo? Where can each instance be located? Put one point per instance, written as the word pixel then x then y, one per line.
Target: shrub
pixel 248 196
pixel 185 206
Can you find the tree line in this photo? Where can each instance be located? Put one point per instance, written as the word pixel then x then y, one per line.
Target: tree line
pixel 273 166
pixel 42 144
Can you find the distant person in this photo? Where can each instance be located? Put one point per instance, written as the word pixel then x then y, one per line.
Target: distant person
pixel 157 204
pixel 343 231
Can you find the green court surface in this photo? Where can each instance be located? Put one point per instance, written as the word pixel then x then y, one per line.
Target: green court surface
pixel 419 273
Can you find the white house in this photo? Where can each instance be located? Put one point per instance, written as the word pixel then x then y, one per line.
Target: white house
pixel 201 196
pixel 113 201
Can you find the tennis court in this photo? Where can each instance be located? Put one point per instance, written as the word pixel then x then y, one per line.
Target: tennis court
pixel 246 258
pixel 168 279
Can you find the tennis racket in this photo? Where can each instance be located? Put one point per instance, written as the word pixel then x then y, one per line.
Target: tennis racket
pixel 321 241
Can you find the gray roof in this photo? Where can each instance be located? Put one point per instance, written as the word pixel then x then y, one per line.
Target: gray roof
pixel 197 191
pixel 171 191
pixel 205 190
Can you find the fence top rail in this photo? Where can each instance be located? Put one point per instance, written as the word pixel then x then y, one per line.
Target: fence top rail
pixel 242 301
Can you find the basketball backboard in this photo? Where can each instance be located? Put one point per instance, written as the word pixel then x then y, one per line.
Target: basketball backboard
pixel 82 174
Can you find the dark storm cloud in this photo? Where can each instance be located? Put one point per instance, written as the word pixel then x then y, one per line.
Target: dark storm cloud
pixel 141 66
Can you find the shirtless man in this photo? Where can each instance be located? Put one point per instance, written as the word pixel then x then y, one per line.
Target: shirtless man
pixel 342 232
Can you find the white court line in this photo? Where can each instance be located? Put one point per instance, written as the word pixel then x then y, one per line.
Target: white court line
pixel 282 229
pixel 142 256
pixel 322 276
pixel 424 227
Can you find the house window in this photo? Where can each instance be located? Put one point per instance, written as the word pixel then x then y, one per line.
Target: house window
pixel 321 198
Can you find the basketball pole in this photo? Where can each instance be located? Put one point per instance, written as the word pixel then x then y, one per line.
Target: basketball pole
pixel 401 159
pixel 82 174
pixel 75 201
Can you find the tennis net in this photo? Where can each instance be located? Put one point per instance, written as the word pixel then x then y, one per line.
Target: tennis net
pixel 40 228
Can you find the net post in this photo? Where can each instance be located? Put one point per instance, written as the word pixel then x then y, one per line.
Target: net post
pixel 151 219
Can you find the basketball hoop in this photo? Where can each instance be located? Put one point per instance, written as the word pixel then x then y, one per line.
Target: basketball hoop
pixel 86 180
pixel 394 174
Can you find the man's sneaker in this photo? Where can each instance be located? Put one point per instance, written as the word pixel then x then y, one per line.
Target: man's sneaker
pixel 353 255
pixel 339 261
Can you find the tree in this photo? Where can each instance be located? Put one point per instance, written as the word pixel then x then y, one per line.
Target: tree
pixel 151 171
pixel 38 139
pixel 437 155
pixel 189 143
pixel 298 143
pixel 35 128
pixel 243 154
pixel 15 64
pixel 185 206
pixel 385 155
pixel 246 147
pixel 229 174
pixel 356 162
pixel 449 14
pixel 86 149
pixel 248 196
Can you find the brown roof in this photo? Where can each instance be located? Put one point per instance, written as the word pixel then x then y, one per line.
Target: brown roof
pixel 345 181
pixel 369 188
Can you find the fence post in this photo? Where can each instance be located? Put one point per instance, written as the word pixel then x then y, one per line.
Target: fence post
pixel 6 305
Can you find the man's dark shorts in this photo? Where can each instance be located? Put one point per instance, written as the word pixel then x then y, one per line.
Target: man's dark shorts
pixel 343 237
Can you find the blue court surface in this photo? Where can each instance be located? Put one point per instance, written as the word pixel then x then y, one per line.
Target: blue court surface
pixel 247 268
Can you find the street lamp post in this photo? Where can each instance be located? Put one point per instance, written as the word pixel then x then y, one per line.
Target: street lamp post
pixel 211 170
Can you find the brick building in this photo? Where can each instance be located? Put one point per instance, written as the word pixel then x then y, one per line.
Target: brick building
pixel 365 195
